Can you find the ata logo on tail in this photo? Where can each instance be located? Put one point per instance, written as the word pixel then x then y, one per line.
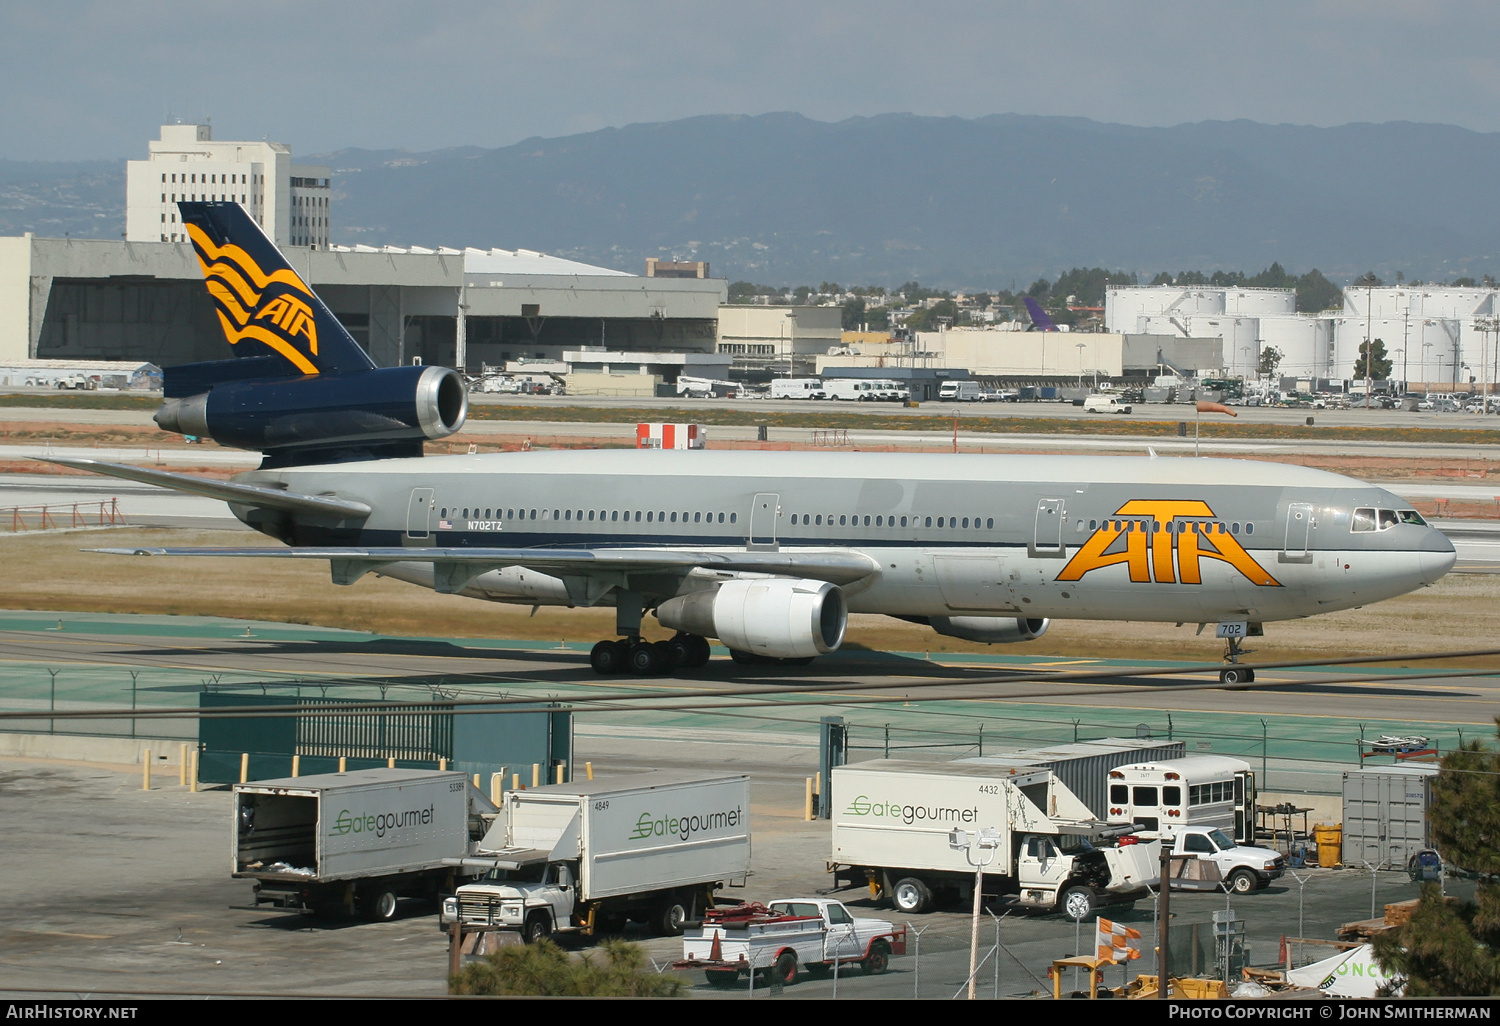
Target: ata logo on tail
pixel 1148 531
pixel 270 308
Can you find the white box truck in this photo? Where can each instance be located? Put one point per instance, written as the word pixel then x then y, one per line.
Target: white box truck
pixel 358 840
pixel 892 821
pixel 796 388
pixel 585 857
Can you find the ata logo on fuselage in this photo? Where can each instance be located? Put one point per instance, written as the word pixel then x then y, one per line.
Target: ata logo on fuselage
pixel 1145 533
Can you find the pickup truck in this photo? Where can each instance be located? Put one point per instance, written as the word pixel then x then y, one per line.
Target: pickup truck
pixel 1241 867
pixel 815 932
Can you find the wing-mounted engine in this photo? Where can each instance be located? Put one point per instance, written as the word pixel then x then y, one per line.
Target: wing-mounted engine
pixel 324 417
pixel 773 616
pixel 991 630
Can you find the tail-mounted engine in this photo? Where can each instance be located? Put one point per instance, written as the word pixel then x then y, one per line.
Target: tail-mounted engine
pixel 319 418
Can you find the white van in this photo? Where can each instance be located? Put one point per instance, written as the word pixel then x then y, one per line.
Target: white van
pixel 1104 404
pixel 959 392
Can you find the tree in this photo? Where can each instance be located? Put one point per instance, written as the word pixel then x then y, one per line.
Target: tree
pixel 1270 359
pixel 928 319
pixel 1315 293
pixel 1373 354
pixel 741 291
pixel 854 313
pixel 1162 278
pixel 544 969
pixel 1448 948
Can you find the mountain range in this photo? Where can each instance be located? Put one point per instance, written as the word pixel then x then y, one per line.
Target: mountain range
pixel 988 202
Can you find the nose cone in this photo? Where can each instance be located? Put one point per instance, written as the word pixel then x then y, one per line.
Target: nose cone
pixel 1437 556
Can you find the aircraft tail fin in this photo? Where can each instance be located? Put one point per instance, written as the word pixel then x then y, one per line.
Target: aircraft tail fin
pixel 267 309
pixel 1039 318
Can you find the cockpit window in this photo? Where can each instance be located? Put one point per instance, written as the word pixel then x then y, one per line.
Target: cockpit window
pixel 1411 516
pixel 1367 518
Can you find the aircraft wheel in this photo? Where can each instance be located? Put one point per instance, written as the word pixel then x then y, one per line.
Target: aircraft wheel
pixel 701 651
pixel 689 651
pixel 645 660
pixel 744 658
pixel 667 653
pixel 607 658
pixel 1236 675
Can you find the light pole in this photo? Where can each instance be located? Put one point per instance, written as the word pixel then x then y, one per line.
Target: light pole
pixel 1426 388
pixel 987 839
pixel 1080 346
pixel 1485 326
pixel 791 349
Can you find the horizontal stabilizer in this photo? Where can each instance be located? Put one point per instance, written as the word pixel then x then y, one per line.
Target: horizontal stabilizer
pixel 227 491
pixel 837 566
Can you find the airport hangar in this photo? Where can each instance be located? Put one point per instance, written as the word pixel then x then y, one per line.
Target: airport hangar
pixel 119 300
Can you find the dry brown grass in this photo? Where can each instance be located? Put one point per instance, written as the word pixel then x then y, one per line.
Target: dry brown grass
pixel 48 571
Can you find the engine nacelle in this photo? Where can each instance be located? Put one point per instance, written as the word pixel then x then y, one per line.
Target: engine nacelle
pixel 774 616
pixel 402 405
pixel 991 630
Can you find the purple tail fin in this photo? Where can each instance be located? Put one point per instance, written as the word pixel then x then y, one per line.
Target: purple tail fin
pixel 1039 319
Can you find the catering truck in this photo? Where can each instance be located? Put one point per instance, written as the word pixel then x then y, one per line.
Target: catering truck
pixel 356 841
pixel 904 829
pixel 585 857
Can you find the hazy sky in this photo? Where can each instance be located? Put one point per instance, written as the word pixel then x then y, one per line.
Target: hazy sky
pixel 86 79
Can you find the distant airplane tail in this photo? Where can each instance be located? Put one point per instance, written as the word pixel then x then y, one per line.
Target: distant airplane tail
pixel 1039 318
pixel 300 388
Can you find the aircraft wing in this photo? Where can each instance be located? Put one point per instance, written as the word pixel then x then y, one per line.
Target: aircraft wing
pixel 228 491
pixel 836 566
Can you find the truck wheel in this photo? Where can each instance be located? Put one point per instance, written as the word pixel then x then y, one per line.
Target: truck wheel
pixel 911 895
pixel 878 960
pixel 1077 902
pixel 669 918
pixel 1242 881
pixel 724 979
pixel 784 971
pixel 380 907
pixel 538 928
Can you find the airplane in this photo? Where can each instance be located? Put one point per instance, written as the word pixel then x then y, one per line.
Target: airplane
pixel 769 552
pixel 1040 321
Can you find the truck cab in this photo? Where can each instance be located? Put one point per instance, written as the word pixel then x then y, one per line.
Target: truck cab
pixel 524 892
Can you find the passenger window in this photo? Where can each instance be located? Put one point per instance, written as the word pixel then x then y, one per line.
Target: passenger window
pixel 567 514
pixel 1119 794
pixel 487 513
pixel 841 520
pixel 867 521
pixel 533 514
pixel 1171 796
pixel 1249 528
pixel 443 512
pixel 903 521
pixel 638 516
pixel 966 521
pixel 929 522
pixel 649 516
pixel 879 521
pixel 1143 796
pixel 697 518
pixel 1364 520
pixel 733 517
pixel 614 516
pixel 989 523
pixel 818 520
pixel 466 512
pixel 721 518
pixel 940 521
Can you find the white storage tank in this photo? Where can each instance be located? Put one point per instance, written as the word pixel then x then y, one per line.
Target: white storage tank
pixel 1244 302
pixel 1385 815
pixel 1303 341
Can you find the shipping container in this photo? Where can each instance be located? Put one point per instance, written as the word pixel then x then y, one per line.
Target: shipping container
pixel 1385 814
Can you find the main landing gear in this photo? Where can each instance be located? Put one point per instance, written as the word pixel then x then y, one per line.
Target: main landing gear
pixel 649 658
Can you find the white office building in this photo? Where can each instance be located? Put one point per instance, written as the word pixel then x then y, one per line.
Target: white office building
pixel 290 201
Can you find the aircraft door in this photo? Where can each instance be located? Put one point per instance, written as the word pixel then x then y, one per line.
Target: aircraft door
pixel 1046 539
pixel 764 510
pixel 418 512
pixel 1298 524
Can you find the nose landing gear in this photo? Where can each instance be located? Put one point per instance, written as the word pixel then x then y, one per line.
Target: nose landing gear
pixel 1234 673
